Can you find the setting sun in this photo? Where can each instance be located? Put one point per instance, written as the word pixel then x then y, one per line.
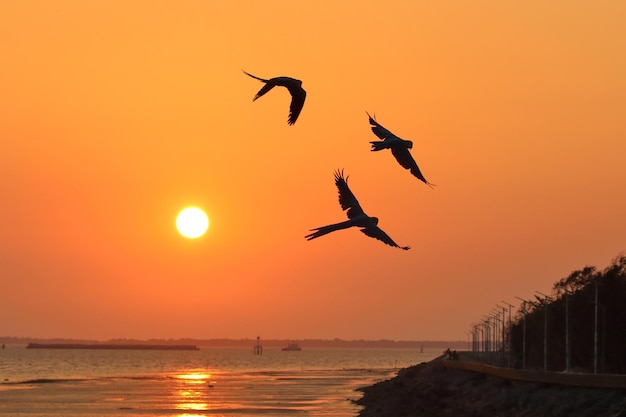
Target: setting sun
pixel 192 222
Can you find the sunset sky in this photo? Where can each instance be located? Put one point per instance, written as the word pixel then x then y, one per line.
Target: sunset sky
pixel 116 114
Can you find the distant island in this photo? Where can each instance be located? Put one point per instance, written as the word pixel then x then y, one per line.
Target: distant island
pixel 111 346
pixel 244 343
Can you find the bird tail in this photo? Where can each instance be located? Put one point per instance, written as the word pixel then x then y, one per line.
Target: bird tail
pixel 379 145
pixel 324 230
pixel 255 77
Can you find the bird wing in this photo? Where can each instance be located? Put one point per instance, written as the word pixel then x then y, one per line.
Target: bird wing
pixel 298 95
pixel 347 200
pixel 267 87
pixel 404 158
pixel 269 84
pixel 378 233
pixel 379 130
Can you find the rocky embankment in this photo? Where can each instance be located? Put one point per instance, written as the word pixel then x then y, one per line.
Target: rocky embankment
pixel 432 390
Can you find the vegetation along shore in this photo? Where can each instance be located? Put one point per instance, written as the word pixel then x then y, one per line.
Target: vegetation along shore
pixel 576 369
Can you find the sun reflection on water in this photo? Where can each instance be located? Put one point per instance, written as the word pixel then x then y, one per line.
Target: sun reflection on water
pixel 195 377
pixel 192 393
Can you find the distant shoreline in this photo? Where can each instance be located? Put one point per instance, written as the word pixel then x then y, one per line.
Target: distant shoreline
pixel 108 346
pixel 247 343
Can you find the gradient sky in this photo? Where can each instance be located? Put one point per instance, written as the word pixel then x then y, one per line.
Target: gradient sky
pixel 115 115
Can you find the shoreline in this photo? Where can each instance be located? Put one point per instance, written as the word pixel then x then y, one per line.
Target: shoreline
pixel 430 389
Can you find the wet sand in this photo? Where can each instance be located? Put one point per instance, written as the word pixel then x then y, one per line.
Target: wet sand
pixel 432 390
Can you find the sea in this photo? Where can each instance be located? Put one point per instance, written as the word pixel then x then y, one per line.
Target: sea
pixel 207 382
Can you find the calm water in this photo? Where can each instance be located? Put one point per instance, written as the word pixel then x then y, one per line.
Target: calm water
pixel 208 382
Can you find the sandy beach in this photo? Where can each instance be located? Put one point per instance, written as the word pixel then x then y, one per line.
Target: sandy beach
pixel 432 390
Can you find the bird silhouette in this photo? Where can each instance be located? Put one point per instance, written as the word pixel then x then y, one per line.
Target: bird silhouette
pixel 399 148
pixel 298 95
pixel 356 216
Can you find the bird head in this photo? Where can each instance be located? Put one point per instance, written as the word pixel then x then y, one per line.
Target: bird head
pixel 409 144
pixel 374 221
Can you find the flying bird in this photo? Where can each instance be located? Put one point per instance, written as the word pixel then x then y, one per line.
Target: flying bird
pixel 356 216
pixel 298 95
pixel 399 148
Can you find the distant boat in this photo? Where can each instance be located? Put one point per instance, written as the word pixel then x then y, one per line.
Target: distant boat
pixel 292 347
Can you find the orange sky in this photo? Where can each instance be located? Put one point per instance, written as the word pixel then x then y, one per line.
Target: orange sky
pixel 114 115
